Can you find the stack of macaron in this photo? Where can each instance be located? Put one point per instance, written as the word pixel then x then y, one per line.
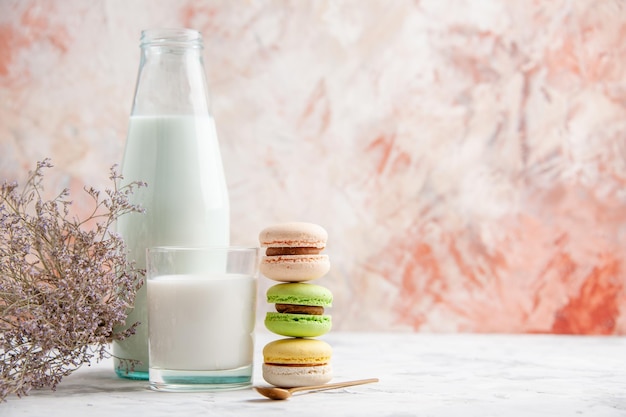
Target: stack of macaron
pixel 293 258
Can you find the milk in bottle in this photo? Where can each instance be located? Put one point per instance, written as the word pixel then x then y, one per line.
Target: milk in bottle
pixel 172 145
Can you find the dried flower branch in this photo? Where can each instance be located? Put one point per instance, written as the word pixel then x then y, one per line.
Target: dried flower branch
pixel 65 282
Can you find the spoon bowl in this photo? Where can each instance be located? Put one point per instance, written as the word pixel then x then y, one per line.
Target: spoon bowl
pixel 276 393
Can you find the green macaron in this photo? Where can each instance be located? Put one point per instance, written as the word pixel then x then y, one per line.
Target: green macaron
pixel 300 308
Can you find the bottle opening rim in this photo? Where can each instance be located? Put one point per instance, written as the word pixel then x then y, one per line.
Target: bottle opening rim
pixel 182 37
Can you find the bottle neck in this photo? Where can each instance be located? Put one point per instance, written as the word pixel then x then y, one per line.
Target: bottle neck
pixel 171 78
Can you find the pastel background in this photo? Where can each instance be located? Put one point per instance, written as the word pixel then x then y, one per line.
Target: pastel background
pixel 468 158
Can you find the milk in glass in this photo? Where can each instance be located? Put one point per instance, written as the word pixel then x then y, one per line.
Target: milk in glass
pixel 201 322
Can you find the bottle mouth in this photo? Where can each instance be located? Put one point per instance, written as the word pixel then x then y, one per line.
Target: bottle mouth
pixel 171 37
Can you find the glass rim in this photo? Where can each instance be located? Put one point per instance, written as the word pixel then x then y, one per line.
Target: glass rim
pixel 182 37
pixel 174 248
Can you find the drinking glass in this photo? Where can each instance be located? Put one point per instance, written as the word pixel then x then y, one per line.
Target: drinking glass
pixel 201 315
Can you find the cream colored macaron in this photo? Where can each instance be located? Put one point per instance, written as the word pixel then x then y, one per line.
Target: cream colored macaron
pixel 293 252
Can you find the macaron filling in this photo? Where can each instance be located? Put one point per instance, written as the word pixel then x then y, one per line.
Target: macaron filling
pixel 293 251
pixel 295 365
pixel 300 309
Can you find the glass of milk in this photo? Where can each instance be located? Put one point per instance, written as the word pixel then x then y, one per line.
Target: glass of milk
pixel 201 315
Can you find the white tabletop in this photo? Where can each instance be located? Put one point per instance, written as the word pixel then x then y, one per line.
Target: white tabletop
pixel 420 375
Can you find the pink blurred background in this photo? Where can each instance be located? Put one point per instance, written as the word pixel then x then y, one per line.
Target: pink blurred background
pixel 468 159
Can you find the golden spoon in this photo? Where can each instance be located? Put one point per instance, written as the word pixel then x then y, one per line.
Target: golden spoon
pixel 276 393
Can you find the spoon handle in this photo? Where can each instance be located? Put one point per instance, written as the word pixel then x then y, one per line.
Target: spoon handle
pixel 333 386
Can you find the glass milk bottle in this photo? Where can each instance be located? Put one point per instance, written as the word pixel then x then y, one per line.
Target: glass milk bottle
pixel 172 146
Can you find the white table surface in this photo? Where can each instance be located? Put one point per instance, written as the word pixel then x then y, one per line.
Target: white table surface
pixel 420 375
